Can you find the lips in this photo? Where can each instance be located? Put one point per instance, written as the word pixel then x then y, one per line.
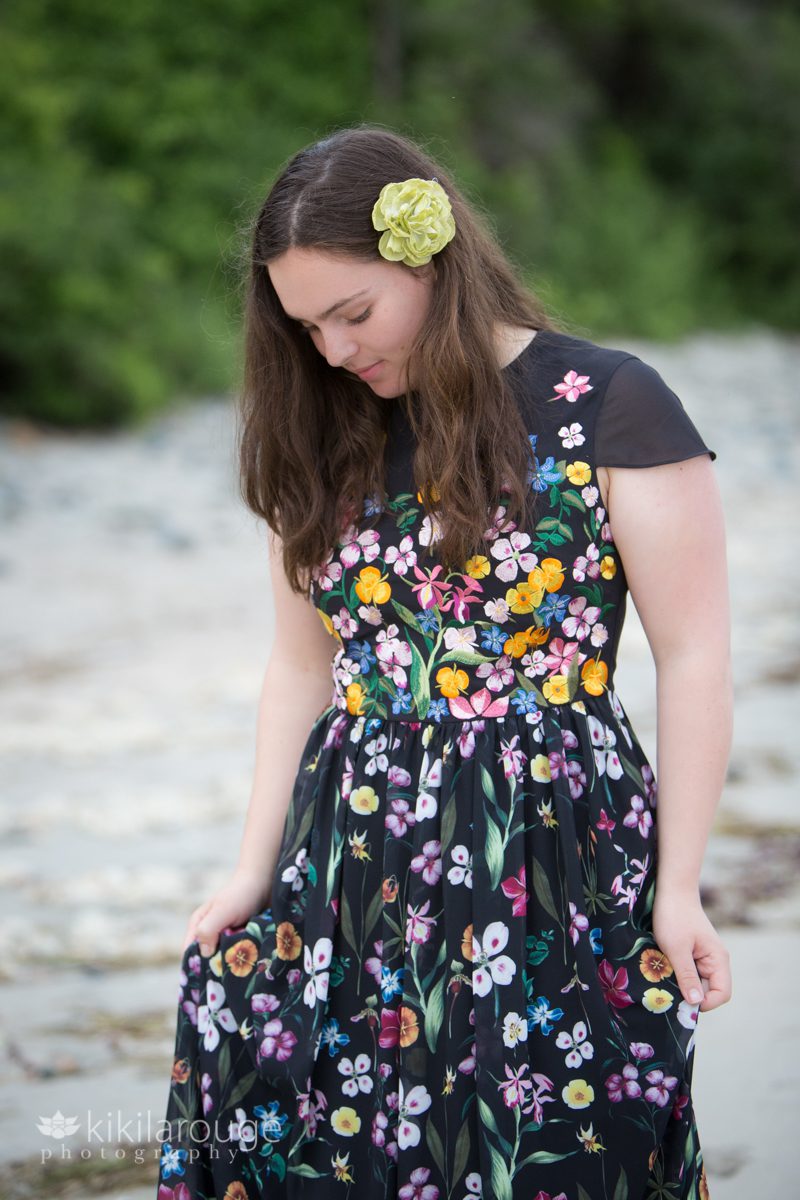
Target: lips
pixel 362 371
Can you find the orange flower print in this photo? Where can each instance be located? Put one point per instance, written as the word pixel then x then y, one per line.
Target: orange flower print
pixel 241 958
pixel 288 941
pixel 355 695
pixel 594 674
pixel 654 964
pixel 452 681
pixel 390 889
pixel 372 587
pixel 181 1070
pixel 517 645
pixel 553 574
pixel 409 1026
pixel 466 943
pixel 235 1191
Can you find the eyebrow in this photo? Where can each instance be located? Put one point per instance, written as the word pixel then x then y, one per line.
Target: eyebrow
pixel 333 307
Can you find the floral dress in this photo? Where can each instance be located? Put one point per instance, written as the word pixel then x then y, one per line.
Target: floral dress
pixel 455 991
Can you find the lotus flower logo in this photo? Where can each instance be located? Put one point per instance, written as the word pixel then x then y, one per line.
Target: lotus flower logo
pixel 58 1126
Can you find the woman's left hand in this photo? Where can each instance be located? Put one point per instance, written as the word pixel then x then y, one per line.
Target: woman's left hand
pixel 696 951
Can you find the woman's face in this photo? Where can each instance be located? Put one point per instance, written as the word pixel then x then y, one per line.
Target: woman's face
pixel 358 314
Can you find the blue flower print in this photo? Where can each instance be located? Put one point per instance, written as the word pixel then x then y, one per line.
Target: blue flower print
pixel 403 702
pixel 553 608
pixel 331 1037
pixel 493 639
pixel 391 982
pixel 172 1160
pixel 361 653
pixel 524 702
pixel 540 1013
pixel 272 1123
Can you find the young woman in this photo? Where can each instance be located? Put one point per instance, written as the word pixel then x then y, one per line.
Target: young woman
pixel 462 953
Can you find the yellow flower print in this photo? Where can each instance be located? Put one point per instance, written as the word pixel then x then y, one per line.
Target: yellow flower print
pixel 654 964
pixel 328 623
pixel 540 768
pixel 433 493
pixel 555 689
pixel 364 800
pixel 372 587
pixel 355 693
pixel 523 598
pixel 449 1080
pixel 579 473
pixel 452 681
pixel 359 846
pixel 590 1140
pixel 536 582
pixel 545 811
pixel 345 1121
pixel 341 1168
pixel 242 957
pixel 477 567
pixel 594 674
pixel 215 964
pixel 608 567
pixel 552 573
pixel 578 1093
pixel 288 942
pixel 657 1000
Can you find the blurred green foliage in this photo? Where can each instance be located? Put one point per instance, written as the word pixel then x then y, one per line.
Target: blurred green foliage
pixel 640 163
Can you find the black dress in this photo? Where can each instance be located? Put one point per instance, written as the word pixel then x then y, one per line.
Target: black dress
pixel 455 991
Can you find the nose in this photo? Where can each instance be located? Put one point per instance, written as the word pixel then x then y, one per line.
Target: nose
pixel 338 348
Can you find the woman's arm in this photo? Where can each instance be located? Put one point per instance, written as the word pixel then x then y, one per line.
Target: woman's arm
pixel 668 526
pixel 297 687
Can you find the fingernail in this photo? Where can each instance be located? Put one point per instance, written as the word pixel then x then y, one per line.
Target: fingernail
pixel 204 950
pixel 695 996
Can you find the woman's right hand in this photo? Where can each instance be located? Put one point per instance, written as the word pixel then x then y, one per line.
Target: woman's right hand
pixel 242 896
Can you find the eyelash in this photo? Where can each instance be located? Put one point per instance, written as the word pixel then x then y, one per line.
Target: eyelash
pixel 355 321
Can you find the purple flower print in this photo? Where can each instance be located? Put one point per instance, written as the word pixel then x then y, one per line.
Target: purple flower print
pixel 429 862
pixel 418 1187
pixel 577 923
pixel 638 815
pixel 662 1085
pixel 277 1042
pixel 624 1086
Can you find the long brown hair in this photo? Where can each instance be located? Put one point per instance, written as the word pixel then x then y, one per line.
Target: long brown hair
pixel 311 438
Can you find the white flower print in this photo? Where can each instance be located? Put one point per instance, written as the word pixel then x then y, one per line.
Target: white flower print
pixel 487 967
pixel 474 1185
pixel 571 435
pixel 414 1104
pixel 212 1014
pixel 329 575
pixel 295 874
pixel 462 871
pixel 515 1029
pixel 599 635
pixel 403 557
pixel 430 782
pixel 497 610
pixel 377 760
pixel 579 624
pixel 513 556
pixel 639 815
pixel 393 654
pixel 576 1044
pixel 498 675
pixel 463 637
pixel 430 531
pixel 358 1079
pixel 603 743
pixel 316 965
pixel 367 543
pixel 578 923
pixel 587 564
pixel 590 495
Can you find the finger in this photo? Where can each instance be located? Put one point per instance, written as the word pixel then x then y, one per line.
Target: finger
pixel 718 989
pixel 207 937
pixel 687 978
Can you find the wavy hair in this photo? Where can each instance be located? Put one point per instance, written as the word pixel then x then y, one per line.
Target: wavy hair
pixel 310 438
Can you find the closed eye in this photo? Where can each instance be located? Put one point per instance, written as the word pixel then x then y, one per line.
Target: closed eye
pixel 352 321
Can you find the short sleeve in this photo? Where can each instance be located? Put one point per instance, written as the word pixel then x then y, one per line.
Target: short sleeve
pixel 642 423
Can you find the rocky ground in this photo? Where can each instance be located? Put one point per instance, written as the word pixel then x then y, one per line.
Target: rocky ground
pixel 136 624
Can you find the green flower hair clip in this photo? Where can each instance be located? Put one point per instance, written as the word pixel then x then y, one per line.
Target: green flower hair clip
pixel 417 220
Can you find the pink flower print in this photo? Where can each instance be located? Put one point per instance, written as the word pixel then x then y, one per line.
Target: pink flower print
pixel 613 984
pixel 205 1090
pixel 418 1187
pixel 590 495
pixel 558 764
pixel 515 1088
pixel 479 704
pixel 212 1014
pixel 587 564
pixel 374 963
pixel 309 1110
pixel 344 623
pixel 642 1050
pixel 399 818
pixel 624 1086
pixel 393 654
pixel 513 758
pixel 489 965
pixel 329 575
pixel 379 1124
pixel 419 926
pixel 367 543
pixel 662 1085
pixel 460 600
pixel 572 387
pixel 430 592
pixel 278 1042
pixel 462 871
pixel 638 877
pixel 638 815
pixel 498 674
pixel 678 1106
pixel 513 556
pixel 515 888
pixel 429 862
pixel 576 777
pixel 179 1192
pixel 650 788
pixel 687 1014
pixel 401 557
pixel 264 1002
pixel 390 1028
pixel 578 923
pixel 580 623
pixel 560 656
pixel 571 435
pixel 605 823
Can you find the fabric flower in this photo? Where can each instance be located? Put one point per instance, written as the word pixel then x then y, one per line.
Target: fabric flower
pixel 417 220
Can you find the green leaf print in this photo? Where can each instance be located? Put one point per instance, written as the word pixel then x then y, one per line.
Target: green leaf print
pixel 434 1014
pixel 306 1171
pixel 406 616
pixel 346 921
pixel 501 1180
pixel 487 783
pixel 242 1088
pixel 420 681
pixel 487 1116
pixel 373 912
pixel 621 1190
pixel 461 1156
pixel 448 824
pixel 494 853
pixel 435 1146
pixel 570 497
pixel 469 657
pixel 572 676
pixel 541 889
